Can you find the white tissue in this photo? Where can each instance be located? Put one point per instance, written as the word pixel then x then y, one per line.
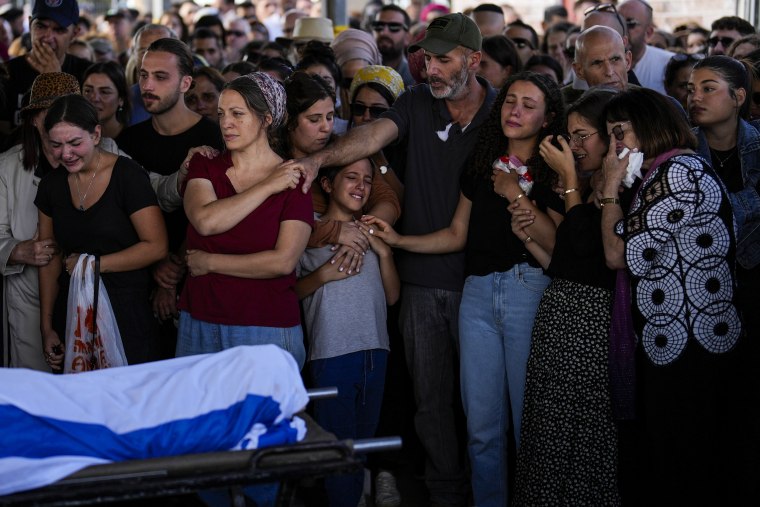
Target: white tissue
pixel 633 171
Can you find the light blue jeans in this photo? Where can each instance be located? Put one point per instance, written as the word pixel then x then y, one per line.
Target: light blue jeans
pixel 198 337
pixel 495 326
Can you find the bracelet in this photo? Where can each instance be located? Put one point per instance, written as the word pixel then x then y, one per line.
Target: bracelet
pixel 519 196
pixel 570 191
pixel 527 240
pixel 608 200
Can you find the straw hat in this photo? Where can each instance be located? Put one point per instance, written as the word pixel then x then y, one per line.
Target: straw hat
pixel 48 87
pixel 307 29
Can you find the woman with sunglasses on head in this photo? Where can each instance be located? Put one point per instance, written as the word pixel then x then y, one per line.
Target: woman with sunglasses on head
pixel 504 279
pixel 568 438
pixel 676 329
pixel 718 105
pixel 308 129
pixel 677 76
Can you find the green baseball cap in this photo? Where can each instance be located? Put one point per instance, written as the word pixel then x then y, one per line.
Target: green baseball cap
pixel 447 32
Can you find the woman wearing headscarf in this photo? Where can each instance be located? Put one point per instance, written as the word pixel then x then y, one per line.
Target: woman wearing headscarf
pixel 354 50
pixel 249 225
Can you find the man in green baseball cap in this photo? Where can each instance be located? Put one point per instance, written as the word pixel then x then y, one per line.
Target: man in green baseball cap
pixel 448 40
pixel 438 124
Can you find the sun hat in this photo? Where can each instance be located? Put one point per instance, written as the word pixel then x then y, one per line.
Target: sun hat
pixel 48 87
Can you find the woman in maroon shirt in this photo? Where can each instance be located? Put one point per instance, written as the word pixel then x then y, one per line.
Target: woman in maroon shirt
pixel 249 224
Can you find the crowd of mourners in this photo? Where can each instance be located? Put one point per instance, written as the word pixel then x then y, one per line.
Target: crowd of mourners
pixel 558 235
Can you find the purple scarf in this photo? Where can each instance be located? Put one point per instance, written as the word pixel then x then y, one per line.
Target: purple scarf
pixel 623 340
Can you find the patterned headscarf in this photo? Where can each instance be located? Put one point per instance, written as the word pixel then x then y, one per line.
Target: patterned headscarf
pixel 274 95
pixel 384 76
pixel 351 44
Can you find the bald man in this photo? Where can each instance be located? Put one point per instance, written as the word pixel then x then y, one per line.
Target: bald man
pixel 600 60
pixel 649 62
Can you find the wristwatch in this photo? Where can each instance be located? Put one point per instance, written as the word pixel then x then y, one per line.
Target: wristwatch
pixel 608 200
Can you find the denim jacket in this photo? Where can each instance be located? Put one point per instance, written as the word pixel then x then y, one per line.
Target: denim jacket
pixel 746 202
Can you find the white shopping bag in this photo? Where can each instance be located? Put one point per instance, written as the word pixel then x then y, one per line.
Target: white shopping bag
pixel 90 346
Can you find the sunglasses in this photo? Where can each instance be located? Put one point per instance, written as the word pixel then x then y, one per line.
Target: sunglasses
pixel 378 26
pixel 522 43
pixel 726 41
pixel 236 33
pixel 683 57
pixel 608 8
pixel 618 131
pixel 578 139
pixel 374 111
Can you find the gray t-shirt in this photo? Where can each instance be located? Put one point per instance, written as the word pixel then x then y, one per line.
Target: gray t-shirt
pixel 344 316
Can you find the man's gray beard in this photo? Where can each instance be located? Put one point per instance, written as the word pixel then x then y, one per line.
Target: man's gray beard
pixel 455 90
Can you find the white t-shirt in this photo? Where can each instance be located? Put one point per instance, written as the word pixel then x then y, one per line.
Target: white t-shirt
pixel 651 68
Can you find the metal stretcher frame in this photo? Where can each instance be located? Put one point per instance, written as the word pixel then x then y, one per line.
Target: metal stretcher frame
pixel 320 454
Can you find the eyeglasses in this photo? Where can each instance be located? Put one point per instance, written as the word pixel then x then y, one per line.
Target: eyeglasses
pixel 726 41
pixel 522 43
pixel 378 26
pixel 236 33
pixel 374 111
pixel 578 139
pixel 608 8
pixel 618 131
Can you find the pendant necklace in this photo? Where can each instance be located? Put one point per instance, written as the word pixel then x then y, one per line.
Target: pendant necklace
pixel 76 180
pixel 723 161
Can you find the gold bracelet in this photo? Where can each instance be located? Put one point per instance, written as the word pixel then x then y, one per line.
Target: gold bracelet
pixel 527 240
pixel 519 196
pixel 570 191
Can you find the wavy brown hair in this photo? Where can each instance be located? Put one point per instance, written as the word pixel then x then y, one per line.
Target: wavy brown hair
pixel 492 143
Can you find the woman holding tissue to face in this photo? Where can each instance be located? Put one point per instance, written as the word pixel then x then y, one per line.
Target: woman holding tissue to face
pixel 568 438
pixel 677 244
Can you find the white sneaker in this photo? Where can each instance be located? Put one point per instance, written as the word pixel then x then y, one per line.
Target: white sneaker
pixel 386 492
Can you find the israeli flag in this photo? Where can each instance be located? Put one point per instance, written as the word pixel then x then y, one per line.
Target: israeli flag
pixel 55 425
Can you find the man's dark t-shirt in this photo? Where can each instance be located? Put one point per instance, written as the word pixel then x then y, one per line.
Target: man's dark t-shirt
pixel 164 154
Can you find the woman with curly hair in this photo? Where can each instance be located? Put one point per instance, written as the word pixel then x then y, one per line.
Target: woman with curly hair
pixel 504 281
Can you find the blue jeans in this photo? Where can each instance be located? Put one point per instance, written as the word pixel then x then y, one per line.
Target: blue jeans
pixel 429 319
pixel 354 413
pixel 495 326
pixel 199 337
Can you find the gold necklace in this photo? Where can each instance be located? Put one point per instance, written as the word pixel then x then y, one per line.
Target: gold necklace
pixel 76 180
pixel 723 161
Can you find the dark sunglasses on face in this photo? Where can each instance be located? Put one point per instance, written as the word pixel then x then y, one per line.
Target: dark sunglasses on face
pixel 378 26
pixel 236 33
pixel 374 111
pixel 726 41
pixel 618 131
pixel 522 43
